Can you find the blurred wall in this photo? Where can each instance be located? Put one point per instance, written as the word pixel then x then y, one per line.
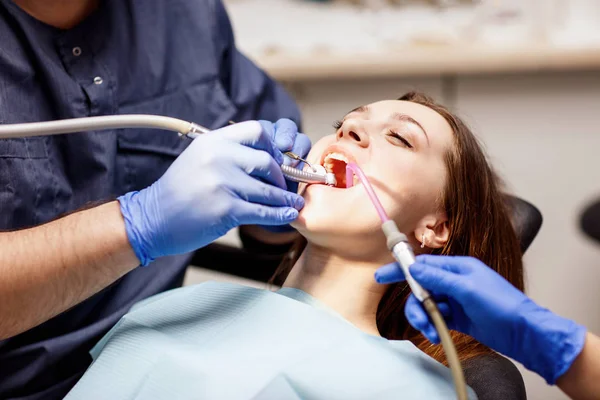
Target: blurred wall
pixel 542 133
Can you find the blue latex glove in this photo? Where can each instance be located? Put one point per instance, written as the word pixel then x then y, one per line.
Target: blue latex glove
pixel 477 301
pixel 224 179
pixel 286 137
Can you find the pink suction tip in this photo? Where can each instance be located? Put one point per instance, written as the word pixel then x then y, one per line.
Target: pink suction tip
pixel 353 169
pixel 350 174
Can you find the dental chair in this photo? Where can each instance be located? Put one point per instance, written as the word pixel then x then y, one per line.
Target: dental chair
pixel 589 221
pixel 259 262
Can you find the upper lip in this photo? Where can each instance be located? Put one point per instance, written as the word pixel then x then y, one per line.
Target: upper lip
pixel 337 149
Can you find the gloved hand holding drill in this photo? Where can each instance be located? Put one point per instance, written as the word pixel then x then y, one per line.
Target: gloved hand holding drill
pixel 224 179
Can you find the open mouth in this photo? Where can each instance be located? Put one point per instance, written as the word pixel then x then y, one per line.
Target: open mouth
pixel 336 163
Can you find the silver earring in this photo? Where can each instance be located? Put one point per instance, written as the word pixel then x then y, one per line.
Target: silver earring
pixel 423 241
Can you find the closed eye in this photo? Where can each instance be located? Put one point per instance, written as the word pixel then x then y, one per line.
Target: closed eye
pixel 397 136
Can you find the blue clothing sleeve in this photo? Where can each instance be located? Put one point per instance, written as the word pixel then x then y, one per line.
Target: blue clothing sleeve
pixel 254 93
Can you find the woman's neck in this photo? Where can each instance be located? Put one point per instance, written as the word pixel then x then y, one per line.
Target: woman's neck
pixel 62 14
pixel 346 286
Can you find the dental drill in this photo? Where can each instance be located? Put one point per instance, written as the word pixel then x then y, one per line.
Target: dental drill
pixel 402 251
pixel 190 130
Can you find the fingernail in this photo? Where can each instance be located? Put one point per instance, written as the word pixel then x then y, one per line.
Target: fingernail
pixel 286 142
pixel 278 157
pixel 299 202
pixel 381 278
pixel 431 336
pixel 291 214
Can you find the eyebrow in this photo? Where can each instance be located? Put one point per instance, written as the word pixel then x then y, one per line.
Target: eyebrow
pixel 408 118
pixel 361 109
pixel 396 116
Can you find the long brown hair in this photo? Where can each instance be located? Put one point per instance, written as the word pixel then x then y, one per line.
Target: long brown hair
pixel 479 225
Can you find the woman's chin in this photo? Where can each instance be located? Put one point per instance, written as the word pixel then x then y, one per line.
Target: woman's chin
pixel 326 209
pixel 299 223
pixel 309 220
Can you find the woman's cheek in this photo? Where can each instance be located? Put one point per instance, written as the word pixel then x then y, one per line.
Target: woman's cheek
pixel 317 150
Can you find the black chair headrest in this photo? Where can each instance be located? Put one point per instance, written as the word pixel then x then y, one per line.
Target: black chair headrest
pixel 590 221
pixel 526 219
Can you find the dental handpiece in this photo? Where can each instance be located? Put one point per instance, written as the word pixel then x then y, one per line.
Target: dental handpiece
pixel 297 175
pixel 183 128
pixel 318 176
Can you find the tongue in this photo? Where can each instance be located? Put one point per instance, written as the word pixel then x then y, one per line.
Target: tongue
pixel 338 168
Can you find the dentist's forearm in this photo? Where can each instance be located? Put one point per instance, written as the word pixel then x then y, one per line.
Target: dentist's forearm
pixel 48 269
pixel 582 380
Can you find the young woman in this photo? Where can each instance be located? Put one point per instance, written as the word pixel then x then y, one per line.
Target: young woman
pixel 332 331
pixel 430 173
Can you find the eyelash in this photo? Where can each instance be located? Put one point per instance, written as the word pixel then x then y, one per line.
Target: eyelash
pixel 397 136
pixel 338 124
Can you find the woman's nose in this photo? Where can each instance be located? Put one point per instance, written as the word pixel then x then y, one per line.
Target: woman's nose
pixel 353 131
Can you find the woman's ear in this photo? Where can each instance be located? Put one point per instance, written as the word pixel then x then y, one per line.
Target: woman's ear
pixel 433 231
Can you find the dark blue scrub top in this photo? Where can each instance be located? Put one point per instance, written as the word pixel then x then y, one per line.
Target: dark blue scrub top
pixel 166 57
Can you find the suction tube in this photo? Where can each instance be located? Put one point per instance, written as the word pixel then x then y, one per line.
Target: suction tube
pixel 401 249
pixel 352 169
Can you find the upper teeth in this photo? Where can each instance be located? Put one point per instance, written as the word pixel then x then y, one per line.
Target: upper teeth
pixel 336 156
pixel 319 169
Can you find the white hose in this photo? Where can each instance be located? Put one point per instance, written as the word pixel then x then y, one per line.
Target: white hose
pixel 10 131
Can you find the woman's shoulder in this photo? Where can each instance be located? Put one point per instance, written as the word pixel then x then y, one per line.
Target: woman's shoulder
pixel 494 377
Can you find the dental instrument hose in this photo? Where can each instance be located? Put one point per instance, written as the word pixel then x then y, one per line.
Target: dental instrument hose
pixel 100 123
pixel 184 128
pixel 398 244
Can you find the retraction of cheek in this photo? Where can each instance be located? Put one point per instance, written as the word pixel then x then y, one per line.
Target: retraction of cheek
pixel 398 244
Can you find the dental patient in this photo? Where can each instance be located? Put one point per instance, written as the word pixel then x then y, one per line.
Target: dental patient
pixel 331 331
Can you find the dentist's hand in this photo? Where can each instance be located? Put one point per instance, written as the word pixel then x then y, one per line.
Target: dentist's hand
pixel 224 179
pixel 286 137
pixel 477 301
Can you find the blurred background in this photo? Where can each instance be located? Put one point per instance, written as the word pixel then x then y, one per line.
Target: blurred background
pixel 524 73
